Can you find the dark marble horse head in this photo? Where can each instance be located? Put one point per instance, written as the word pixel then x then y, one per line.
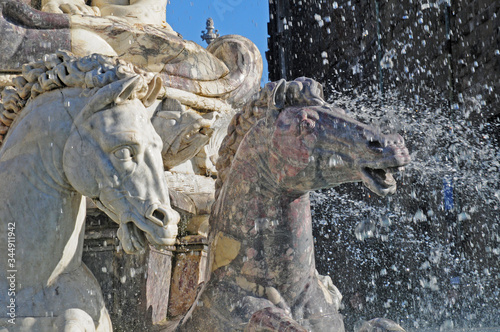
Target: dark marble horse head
pixel 314 145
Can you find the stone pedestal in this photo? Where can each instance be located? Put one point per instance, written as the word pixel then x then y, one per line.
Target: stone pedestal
pixel 188 272
pixel 150 291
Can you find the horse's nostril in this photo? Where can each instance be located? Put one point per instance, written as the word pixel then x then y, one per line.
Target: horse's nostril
pixel 376 145
pixel 159 215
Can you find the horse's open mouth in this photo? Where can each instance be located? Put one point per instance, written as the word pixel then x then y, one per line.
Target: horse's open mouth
pixel 380 181
pixel 134 239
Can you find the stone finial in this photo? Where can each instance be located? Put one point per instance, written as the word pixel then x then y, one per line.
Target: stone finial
pixel 209 35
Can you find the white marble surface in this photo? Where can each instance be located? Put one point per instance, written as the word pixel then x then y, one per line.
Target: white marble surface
pixel 65 143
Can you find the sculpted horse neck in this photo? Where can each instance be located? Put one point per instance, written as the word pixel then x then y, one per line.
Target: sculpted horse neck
pixel 69 142
pixel 32 159
pixel 262 254
pixel 271 218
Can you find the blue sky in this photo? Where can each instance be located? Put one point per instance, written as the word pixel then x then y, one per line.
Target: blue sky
pixel 242 17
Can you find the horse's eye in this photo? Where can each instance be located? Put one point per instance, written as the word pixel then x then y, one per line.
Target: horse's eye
pixel 307 124
pixel 124 153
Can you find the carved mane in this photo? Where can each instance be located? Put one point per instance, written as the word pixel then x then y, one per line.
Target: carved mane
pixel 302 91
pixel 63 69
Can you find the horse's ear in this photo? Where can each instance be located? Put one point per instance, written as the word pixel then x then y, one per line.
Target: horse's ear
pixel 278 96
pixel 154 88
pixel 276 101
pixel 116 92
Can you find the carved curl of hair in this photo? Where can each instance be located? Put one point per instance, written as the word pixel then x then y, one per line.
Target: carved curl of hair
pixel 63 69
pixel 300 92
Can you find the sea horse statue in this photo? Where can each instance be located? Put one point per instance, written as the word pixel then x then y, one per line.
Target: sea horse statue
pixel 285 143
pixel 73 127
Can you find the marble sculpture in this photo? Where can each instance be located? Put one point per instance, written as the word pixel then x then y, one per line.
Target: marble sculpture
pixel 220 77
pixel 76 126
pixel 285 143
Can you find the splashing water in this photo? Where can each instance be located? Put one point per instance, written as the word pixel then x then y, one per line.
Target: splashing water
pixel 428 256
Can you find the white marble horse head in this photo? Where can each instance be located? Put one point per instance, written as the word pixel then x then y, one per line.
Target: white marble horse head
pixel 113 156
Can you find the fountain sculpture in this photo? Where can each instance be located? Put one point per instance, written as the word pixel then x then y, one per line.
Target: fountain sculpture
pixel 94 125
pixel 78 127
pixel 285 143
